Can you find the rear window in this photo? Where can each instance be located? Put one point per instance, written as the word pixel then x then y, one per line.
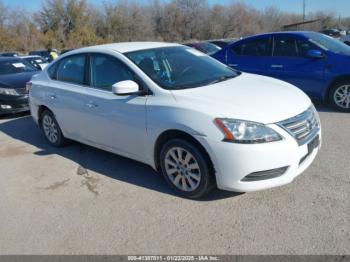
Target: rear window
pixel 256 47
pixel 70 69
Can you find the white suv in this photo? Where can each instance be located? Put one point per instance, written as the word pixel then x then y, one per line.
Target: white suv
pixel 198 122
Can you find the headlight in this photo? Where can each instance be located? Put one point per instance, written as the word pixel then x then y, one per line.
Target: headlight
pixel 8 91
pixel 246 132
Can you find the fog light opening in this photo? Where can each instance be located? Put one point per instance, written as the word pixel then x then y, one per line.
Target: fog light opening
pixel 266 174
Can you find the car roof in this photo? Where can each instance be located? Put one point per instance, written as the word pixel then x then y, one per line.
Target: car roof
pixel 9 58
pixel 126 47
pixel 300 33
pixel 31 56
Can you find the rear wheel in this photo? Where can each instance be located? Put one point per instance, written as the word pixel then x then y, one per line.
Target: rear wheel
pixel 51 129
pixel 339 96
pixel 185 169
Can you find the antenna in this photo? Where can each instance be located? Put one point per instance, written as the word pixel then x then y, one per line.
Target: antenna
pixel 304 9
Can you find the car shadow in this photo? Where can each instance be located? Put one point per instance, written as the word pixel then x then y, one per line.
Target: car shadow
pixel 96 160
pixel 326 108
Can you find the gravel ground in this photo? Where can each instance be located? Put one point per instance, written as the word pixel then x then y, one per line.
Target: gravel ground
pixel 81 200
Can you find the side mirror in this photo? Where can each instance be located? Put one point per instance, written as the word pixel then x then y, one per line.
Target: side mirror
pixel 313 53
pixel 124 88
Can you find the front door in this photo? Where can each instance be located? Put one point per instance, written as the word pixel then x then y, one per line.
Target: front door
pixel 116 123
pixel 290 63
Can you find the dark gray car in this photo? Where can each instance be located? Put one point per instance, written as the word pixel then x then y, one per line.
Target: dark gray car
pixel 14 74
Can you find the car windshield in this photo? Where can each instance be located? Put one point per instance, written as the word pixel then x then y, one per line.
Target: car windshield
pixel 180 67
pixel 15 67
pixel 328 43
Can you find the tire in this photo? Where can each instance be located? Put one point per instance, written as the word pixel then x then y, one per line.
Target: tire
pixel 339 96
pixel 190 175
pixel 51 129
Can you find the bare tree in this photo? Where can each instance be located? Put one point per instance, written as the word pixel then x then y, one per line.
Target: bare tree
pixel 75 23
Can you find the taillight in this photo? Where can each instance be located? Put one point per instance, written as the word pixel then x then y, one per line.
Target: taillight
pixel 29 86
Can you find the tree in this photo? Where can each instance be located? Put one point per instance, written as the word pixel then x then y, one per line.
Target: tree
pixel 76 23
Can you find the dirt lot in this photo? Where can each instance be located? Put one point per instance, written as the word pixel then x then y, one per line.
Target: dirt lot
pixel 80 200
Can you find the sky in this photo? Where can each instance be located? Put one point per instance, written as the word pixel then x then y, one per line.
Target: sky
pixel 340 7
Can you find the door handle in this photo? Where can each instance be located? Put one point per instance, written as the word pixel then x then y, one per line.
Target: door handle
pixel 91 105
pixel 276 66
pixel 52 96
pixel 233 65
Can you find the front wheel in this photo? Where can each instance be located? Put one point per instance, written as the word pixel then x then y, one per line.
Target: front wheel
pixel 339 96
pixel 185 169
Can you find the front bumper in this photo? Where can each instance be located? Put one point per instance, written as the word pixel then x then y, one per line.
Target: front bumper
pixel 233 162
pixel 13 104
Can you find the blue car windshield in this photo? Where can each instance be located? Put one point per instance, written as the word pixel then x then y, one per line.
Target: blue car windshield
pixel 180 67
pixel 328 43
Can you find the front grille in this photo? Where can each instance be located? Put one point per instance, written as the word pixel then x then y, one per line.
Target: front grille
pixel 302 127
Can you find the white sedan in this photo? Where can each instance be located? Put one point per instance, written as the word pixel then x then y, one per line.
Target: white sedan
pixel 190 117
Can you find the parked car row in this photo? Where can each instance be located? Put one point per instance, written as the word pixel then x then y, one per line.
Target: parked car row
pixel 336 33
pixel 202 122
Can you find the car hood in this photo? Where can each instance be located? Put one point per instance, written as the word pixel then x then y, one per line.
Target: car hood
pixel 16 80
pixel 246 97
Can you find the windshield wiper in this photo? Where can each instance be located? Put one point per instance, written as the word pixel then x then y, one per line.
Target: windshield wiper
pixel 221 79
pixel 194 85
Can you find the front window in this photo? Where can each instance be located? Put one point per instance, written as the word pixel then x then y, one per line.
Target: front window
pixel 15 67
pixel 329 43
pixel 105 71
pixel 180 67
pixel 285 46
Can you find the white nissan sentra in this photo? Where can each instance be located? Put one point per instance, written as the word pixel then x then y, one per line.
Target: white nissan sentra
pixel 192 118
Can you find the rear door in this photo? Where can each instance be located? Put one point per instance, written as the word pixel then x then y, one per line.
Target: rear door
pixel 65 94
pixel 290 63
pixel 250 55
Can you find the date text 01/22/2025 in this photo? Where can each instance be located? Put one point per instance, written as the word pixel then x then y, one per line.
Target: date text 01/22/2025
pixel 173 258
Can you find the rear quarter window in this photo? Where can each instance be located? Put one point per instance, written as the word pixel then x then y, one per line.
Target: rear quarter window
pixel 52 71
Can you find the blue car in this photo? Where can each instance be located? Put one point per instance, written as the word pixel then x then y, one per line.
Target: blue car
pixel 316 63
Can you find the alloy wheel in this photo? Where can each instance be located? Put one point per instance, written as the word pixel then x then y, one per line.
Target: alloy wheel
pixel 182 169
pixel 50 129
pixel 342 96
